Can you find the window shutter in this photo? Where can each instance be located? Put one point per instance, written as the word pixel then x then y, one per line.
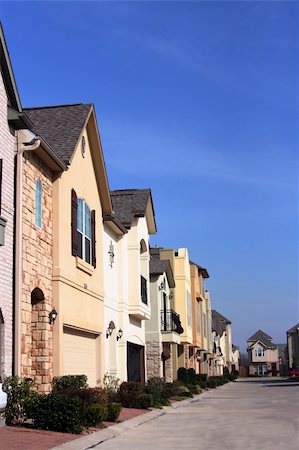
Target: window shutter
pixel 74 207
pixel 93 237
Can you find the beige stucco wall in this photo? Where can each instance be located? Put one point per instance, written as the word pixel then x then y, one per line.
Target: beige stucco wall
pixel 122 297
pixel 78 293
pixel 181 271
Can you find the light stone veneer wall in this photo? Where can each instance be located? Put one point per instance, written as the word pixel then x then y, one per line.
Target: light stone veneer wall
pixel 7 142
pixel 37 341
pixel 153 359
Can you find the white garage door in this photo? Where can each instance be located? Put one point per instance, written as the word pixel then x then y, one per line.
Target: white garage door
pixel 80 354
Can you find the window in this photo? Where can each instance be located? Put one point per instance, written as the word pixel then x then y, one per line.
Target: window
pixel 259 352
pixel 189 309
pixel 83 230
pixel 205 331
pixel 197 316
pixel 38 203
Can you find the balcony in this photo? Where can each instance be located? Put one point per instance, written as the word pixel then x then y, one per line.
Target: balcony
pixel 139 306
pixel 171 327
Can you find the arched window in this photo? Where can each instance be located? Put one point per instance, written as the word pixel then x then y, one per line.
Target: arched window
pixel 38 203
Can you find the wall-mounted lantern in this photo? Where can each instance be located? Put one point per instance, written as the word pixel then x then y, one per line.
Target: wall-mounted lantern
pixel 52 316
pixel 119 334
pixel 111 253
pixel 110 329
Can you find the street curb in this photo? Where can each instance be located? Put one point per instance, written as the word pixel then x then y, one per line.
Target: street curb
pixel 96 438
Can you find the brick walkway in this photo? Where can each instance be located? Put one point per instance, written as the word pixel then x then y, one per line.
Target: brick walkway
pixel 18 438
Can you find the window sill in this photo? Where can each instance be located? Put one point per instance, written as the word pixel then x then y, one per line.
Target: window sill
pixel 84 266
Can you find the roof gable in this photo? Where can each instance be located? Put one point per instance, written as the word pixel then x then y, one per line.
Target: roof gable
pixel 158 266
pixel 60 126
pixel 129 204
pixel 219 322
pixel 259 335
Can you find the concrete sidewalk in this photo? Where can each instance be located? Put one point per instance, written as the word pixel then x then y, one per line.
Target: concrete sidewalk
pixel 90 441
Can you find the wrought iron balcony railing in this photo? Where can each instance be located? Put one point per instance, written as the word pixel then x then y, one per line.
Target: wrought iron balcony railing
pixel 170 321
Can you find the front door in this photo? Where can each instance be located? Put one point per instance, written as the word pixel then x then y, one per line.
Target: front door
pixel 274 369
pixel 135 362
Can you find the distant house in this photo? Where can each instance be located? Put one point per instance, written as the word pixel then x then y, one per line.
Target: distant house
pixel 262 355
pixel 293 346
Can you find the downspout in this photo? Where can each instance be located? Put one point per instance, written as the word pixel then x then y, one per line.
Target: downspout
pixel 25 141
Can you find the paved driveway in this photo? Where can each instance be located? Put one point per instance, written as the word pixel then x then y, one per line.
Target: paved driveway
pixel 246 415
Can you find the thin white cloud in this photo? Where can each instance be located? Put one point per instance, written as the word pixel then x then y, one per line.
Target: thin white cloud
pixel 172 156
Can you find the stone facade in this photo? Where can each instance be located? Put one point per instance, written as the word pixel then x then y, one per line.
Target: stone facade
pixel 7 143
pixel 37 340
pixel 153 359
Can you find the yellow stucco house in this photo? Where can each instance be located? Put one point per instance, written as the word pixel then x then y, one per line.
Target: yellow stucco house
pixel 199 315
pixel 183 354
pixel 81 205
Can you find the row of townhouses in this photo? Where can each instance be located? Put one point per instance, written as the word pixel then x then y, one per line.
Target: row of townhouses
pixel 82 291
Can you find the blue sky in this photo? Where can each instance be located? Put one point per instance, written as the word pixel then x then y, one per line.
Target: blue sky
pixel 199 102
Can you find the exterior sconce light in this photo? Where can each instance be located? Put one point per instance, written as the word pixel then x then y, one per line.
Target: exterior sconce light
pixel 52 316
pixel 161 286
pixel 171 295
pixel 119 334
pixel 111 253
pixel 110 329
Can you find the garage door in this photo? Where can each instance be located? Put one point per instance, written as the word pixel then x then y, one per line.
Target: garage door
pixel 80 354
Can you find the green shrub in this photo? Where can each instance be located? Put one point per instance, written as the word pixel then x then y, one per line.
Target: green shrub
pixel 201 377
pixel 220 380
pixel 155 388
pixel 192 376
pixel 59 412
pixel 170 390
pixel 183 375
pixel 90 395
pixel 183 391
pixel 95 414
pixel 129 393
pixel 231 377
pixel 69 382
pixel 194 388
pixel 20 398
pixel 203 384
pixel 114 410
pixel 211 384
pixel 146 400
pixel 111 386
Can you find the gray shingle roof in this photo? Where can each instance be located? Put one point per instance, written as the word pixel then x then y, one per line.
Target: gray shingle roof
pixel 158 266
pixel 259 335
pixel 263 338
pixel 59 126
pixel 219 322
pixel 293 329
pixel 130 203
